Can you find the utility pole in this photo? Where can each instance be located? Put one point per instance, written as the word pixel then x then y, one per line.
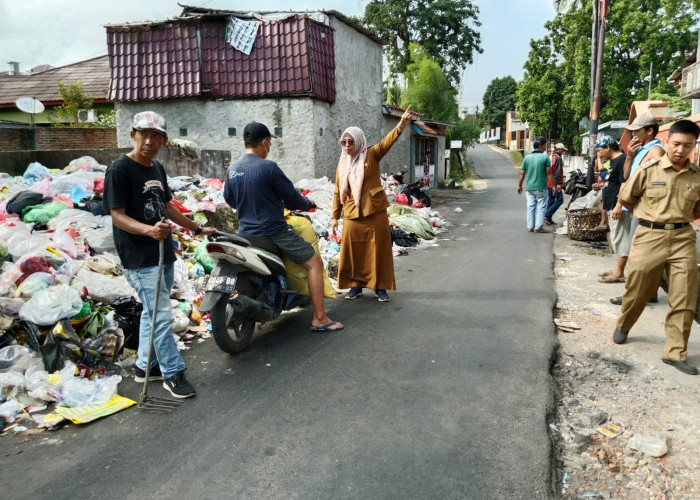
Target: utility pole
pixel 600 12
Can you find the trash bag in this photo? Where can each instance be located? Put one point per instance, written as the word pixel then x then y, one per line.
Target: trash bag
pixel 43 213
pixel 202 256
pixel 296 273
pixel 22 200
pixel 128 317
pixel 35 172
pixel 46 307
pixel 51 354
pixel 402 238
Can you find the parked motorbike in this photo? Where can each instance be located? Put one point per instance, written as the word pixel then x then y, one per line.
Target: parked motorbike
pixel 417 190
pixel 576 185
pixel 248 285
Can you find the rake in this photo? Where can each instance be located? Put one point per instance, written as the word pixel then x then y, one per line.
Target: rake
pixel 152 402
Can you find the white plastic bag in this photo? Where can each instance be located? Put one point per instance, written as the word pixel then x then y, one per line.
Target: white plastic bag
pixel 46 307
pixel 66 183
pixel 78 391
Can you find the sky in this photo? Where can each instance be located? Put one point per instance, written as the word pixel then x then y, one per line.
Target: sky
pixel 60 32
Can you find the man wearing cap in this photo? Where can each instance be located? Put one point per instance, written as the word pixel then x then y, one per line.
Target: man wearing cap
pixel 137 197
pixel 608 149
pixel 643 147
pixel 555 194
pixel 259 191
pixel 665 196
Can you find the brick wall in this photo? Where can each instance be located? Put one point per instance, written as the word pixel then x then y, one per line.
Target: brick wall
pixel 76 138
pixel 14 139
pixel 49 138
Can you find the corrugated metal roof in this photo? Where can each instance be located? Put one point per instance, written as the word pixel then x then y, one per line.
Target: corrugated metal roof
pixel 290 57
pixel 93 73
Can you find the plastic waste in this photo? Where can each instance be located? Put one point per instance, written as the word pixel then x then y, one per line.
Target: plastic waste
pixel 78 391
pixel 46 307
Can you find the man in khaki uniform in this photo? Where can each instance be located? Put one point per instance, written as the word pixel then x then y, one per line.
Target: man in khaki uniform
pixel 665 196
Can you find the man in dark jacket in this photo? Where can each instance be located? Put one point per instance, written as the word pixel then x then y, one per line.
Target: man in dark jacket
pixel 556 195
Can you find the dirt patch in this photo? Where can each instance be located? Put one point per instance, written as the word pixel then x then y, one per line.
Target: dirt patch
pixel 600 383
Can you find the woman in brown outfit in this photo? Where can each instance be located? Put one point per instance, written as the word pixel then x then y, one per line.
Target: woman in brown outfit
pixel 366 259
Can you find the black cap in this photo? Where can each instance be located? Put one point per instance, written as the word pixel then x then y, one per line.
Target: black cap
pixel 256 131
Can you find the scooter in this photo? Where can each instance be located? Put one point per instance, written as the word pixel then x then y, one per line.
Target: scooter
pixel 417 190
pixel 576 186
pixel 248 285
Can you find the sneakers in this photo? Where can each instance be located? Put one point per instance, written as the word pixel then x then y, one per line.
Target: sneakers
pixel 154 374
pixel 382 295
pixel 178 386
pixel 354 292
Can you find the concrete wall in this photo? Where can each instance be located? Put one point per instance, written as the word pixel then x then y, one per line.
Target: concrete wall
pixel 16 162
pixel 308 146
pixel 21 139
pixel 399 157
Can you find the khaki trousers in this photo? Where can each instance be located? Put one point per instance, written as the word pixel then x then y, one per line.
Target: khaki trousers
pixel 653 251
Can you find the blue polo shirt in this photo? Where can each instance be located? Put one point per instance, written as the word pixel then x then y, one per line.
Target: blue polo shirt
pixel 259 191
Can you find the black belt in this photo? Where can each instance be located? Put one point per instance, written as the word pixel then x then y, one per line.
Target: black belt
pixel 658 225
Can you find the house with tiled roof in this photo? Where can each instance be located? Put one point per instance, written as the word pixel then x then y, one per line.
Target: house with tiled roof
pixel 42 84
pixel 306 75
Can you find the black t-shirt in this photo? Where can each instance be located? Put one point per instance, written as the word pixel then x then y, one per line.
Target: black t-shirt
pixel 143 192
pixel 615 178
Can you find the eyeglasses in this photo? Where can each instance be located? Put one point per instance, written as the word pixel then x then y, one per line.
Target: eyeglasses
pixel 348 142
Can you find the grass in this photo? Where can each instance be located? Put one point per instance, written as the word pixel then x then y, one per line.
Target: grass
pixel 517 157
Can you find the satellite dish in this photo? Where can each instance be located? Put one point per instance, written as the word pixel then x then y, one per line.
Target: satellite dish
pixel 29 105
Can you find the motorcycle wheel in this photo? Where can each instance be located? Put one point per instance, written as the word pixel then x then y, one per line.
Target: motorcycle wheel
pixel 232 332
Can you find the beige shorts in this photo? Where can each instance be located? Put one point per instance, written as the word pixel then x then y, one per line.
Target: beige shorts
pixel 620 233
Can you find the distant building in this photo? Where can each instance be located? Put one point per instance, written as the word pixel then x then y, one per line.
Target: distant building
pixel 308 76
pixel 42 84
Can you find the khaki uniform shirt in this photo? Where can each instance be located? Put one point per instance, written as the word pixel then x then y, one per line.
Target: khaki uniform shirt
pixel 662 195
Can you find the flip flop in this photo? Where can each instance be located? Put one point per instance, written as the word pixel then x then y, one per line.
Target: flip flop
pixel 611 279
pixel 327 327
pixel 605 273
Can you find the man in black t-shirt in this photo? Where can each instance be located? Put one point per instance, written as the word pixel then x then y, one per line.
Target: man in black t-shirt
pixel 137 197
pixel 608 149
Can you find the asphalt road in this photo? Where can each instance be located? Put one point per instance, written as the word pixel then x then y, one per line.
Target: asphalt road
pixel 442 393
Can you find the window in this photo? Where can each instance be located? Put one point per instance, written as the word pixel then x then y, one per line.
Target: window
pixel 232 132
pixel 278 131
pixel 183 132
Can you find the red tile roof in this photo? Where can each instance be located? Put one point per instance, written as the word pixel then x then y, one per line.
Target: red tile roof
pixel 290 57
pixel 93 73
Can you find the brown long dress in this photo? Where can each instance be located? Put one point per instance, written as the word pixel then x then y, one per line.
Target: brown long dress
pixel 366 258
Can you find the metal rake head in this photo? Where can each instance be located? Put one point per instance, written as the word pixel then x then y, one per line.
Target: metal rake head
pixel 158 404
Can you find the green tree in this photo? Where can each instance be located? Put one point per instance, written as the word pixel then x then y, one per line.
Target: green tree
pixel 427 90
pixel 74 99
pixel 645 39
pixel 447 29
pixel 499 98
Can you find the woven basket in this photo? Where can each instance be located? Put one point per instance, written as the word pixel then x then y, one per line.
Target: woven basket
pixel 581 223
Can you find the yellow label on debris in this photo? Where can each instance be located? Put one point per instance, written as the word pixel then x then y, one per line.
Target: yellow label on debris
pixel 611 429
pixel 87 413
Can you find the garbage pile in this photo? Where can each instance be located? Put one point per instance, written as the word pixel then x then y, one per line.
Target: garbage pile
pixel 68 318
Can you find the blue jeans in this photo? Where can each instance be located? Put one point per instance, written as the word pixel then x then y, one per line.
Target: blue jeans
pixel 536 206
pixel 165 351
pixel 554 201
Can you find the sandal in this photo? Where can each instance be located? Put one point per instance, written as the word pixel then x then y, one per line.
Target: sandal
pixel 605 273
pixel 611 279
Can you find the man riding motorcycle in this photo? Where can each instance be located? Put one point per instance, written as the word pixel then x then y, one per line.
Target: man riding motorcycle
pixel 259 191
